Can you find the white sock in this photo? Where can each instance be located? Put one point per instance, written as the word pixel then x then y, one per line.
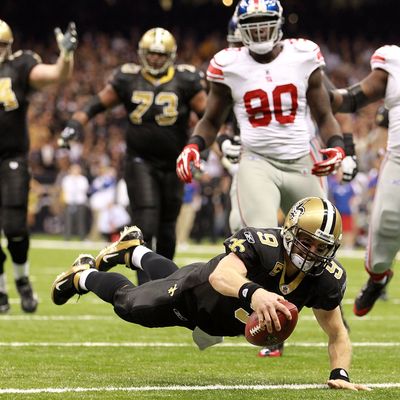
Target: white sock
pixel 21 270
pixel 3 283
pixel 83 276
pixel 138 254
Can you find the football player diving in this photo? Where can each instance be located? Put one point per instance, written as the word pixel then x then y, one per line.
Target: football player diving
pixel 158 97
pixel 259 268
pixel 21 73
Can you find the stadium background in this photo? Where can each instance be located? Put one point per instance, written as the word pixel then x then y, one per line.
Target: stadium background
pixel 83 351
pixel 347 31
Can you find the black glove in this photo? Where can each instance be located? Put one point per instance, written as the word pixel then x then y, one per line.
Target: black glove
pixel 72 130
pixel 68 41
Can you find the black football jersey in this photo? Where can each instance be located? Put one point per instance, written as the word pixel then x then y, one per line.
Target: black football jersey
pixel 14 102
pixel 158 110
pixel 262 252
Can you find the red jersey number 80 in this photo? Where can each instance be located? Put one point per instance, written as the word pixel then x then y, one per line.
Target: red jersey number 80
pixel 261 114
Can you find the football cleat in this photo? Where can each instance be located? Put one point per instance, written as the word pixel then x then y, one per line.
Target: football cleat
pixel 29 301
pixel 66 284
pixel 120 252
pixel 4 304
pixel 369 294
pixel 272 351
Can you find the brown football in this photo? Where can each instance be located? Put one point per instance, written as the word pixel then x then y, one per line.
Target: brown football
pixel 261 337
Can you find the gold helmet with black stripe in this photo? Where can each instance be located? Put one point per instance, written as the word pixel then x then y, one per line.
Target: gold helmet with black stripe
pixel 312 233
pixel 159 41
pixel 6 40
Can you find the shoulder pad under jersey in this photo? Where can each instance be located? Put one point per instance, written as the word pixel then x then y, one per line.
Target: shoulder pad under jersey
pixel 27 53
pixel 304 45
pixel 227 56
pixel 130 68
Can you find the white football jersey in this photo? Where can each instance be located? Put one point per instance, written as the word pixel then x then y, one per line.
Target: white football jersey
pixel 388 59
pixel 270 99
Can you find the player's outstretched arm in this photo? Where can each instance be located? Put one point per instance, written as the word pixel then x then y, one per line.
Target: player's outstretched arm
pixel 339 349
pixel 45 74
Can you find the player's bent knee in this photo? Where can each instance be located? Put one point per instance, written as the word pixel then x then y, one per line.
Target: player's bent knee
pixel 389 224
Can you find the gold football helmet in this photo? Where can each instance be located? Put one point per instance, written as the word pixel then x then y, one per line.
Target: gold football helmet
pixel 6 40
pixel 157 40
pixel 312 234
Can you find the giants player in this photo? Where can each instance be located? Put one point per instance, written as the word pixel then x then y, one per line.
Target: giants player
pixel 158 97
pixel 270 83
pixel 384 228
pixel 21 73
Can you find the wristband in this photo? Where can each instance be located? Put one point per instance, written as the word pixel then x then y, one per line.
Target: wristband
pixel 335 141
pixel 247 290
pixel 199 140
pixel 349 147
pixel 339 373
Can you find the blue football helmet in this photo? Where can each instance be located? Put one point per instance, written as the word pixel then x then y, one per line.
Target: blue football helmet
pixel 259 23
pixel 234 38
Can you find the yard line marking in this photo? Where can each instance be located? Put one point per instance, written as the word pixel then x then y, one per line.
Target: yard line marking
pixel 307 318
pixel 178 388
pixel 170 344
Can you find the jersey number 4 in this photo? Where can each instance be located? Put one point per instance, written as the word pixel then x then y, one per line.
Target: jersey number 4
pixel 259 110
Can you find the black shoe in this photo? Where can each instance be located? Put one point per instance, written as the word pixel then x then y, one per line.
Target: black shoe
pixel 4 304
pixel 272 351
pixel 369 294
pixel 120 251
pixel 29 301
pixel 66 284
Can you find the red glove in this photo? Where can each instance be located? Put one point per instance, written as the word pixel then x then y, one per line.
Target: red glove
pixel 190 154
pixel 334 156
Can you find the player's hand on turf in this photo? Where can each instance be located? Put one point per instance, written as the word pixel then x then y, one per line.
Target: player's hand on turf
pixel 334 157
pixel 266 304
pixel 67 41
pixel 72 130
pixel 342 384
pixel 190 156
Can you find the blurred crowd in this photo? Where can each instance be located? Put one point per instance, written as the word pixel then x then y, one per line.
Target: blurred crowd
pixel 80 193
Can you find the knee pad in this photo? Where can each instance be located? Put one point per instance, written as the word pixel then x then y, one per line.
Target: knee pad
pixel 389 225
pixel 14 220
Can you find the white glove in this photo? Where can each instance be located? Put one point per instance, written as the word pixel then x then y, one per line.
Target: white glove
pixel 231 149
pixel 349 168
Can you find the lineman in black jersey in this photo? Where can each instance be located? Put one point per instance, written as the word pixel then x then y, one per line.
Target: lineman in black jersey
pixel 20 74
pixel 259 268
pixel 158 97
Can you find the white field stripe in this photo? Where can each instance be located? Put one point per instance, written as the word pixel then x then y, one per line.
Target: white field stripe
pixel 170 344
pixel 305 318
pixel 192 248
pixel 181 388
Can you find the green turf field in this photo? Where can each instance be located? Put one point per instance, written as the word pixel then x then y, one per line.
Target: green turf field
pixel 82 351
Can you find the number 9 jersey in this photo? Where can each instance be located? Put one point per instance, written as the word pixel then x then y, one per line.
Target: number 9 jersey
pixel 270 99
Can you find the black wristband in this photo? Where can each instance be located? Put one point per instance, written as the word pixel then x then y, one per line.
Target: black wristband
pixel 339 373
pixel 335 141
pixel 199 140
pixel 221 139
pixel 247 290
pixel 349 147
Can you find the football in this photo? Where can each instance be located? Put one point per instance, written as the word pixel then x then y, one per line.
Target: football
pixel 261 337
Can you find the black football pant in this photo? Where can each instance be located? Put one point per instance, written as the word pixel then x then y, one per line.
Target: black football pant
pixel 14 189
pixel 155 198
pixel 157 303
